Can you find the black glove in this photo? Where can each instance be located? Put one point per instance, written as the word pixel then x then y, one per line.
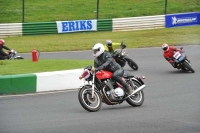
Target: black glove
pixel 96 70
pixel 168 59
pixel 89 67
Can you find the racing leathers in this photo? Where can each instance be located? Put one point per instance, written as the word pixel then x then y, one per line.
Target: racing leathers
pixel 3 55
pixel 168 55
pixel 113 48
pixel 106 62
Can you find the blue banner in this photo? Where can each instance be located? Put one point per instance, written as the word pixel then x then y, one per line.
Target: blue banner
pixel 185 19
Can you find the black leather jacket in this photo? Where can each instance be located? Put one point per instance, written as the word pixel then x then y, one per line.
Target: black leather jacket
pixel 2 52
pixel 106 62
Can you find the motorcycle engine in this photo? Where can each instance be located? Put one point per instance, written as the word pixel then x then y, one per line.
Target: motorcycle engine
pixel 119 92
pixel 116 94
pixel 112 92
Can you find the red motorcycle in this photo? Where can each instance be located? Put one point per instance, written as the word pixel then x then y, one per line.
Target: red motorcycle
pixel 99 87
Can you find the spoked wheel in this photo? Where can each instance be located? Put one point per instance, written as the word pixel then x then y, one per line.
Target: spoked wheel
pixel 138 98
pixel 87 102
pixel 132 64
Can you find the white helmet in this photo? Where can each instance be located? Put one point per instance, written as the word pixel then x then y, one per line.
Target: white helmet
pixel 98 49
pixel 165 47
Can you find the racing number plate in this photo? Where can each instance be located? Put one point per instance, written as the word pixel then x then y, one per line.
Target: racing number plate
pixel 177 55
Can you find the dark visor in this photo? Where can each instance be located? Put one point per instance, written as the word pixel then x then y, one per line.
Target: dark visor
pixel 96 50
pixel 165 48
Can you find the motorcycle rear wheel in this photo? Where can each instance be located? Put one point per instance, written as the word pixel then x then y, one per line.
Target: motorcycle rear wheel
pixel 137 99
pixel 87 102
pixel 188 67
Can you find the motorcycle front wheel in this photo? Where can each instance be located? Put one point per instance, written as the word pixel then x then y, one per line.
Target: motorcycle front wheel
pixel 87 102
pixel 137 99
pixel 132 64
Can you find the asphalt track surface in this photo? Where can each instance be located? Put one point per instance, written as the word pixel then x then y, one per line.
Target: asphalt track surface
pixel 172 102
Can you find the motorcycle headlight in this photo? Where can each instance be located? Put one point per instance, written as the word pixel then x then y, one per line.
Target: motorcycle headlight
pixel 85 74
pixel 123 53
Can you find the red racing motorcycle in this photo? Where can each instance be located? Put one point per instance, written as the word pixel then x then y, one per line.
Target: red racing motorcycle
pixel 99 88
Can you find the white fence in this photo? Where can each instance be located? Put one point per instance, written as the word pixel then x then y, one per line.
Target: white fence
pixel 10 29
pixel 119 24
pixel 59 80
pixel 139 23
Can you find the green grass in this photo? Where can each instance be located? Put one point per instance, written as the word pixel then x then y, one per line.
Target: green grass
pixel 54 10
pixel 51 10
pixel 10 67
pixel 85 41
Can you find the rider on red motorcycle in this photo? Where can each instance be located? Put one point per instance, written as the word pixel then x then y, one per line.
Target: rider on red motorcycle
pixel 104 61
pixel 169 52
pixel 3 55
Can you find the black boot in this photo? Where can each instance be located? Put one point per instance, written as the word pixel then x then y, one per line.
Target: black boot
pixel 127 87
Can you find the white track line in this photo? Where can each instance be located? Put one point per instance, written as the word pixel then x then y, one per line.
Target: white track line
pixel 37 93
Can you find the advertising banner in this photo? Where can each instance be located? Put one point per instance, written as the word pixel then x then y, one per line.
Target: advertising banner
pixel 76 26
pixel 185 19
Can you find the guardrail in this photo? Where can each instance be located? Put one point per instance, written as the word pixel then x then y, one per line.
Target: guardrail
pixel 135 23
pixel 139 23
pixel 39 28
pixel 115 24
pixel 10 29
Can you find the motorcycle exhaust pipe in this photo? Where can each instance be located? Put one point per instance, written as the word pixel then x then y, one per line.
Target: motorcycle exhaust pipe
pixel 138 89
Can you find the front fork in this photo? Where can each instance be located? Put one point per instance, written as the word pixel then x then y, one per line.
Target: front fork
pixel 93 85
